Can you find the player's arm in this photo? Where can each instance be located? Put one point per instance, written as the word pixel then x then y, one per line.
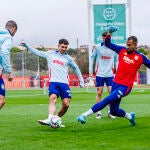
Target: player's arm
pixel 92 58
pixel 5 53
pixel 3 31
pixel 34 51
pixel 111 46
pixel 146 61
pixel 77 71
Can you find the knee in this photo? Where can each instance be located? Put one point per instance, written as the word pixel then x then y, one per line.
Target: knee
pixel 99 92
pixel 53 98
pixel 113 112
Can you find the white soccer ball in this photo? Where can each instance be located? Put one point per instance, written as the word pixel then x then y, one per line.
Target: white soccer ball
pixel 55 122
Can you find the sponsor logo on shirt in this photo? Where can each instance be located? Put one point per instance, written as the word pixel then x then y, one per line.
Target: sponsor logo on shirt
pixel 58 62
pixel 128 60
pixel 106 57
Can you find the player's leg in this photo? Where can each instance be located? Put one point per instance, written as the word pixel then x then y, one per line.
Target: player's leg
pixel 52 104
pixel 65 95
pixel 109 82
pixel 99 106
pixel 99 85
pixel 109 114
pixel 64 107
pixel 116 111
pixel 53 95
pixel 98 99
pixel 2 93
pixel 2 101
pixel 117 92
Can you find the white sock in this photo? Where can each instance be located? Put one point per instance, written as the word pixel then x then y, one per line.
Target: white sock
pixel 87 113
pixel 128 116
pixel 50 116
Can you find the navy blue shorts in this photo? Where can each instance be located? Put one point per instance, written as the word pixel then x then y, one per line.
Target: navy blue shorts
pixel 101 80
pixel 2 87
pixel 60 89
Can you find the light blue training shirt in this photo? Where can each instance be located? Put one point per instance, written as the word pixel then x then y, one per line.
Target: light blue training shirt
pixel 105 59
pixel 6 44
pixel 58 65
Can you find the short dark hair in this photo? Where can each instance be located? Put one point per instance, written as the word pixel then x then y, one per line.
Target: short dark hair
pixel 63 41
pixel 104 34
pixel 133 38
pixel 11 24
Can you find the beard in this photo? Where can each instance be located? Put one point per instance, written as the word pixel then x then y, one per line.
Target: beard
pixel 130 51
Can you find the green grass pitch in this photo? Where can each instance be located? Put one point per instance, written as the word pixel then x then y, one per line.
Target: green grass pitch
pixel 19 129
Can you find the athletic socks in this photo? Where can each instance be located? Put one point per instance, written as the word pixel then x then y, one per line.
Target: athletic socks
pixel 128 116
pixel 50 116
pixel 87 113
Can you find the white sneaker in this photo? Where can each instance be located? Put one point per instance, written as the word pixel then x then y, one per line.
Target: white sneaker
pixel 111 116
pixel 44 122
pixel 99 116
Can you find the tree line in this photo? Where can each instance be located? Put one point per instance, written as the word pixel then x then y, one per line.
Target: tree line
pixel 81 58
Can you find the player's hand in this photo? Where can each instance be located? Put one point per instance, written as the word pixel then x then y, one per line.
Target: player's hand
pixel 22 43
pixel 81 85
pixel 9 76
pixel 112 29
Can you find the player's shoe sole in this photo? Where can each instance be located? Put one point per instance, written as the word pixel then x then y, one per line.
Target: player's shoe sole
pixel 81 119
pixel 132 120
pixel 42 122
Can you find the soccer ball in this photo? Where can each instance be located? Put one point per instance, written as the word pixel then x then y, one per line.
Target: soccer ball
pixel 55 122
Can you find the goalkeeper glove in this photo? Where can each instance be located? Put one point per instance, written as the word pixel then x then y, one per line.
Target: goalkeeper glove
pixel 112 29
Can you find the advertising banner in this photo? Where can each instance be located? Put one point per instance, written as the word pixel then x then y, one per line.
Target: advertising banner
pixel 110 15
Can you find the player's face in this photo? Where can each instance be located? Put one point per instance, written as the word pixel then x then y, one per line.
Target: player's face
pixel 103 38
pixel 13 31
pixel 62 48
pixel 131 46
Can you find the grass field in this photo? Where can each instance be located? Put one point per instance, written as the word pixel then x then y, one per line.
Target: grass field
pixel 19 129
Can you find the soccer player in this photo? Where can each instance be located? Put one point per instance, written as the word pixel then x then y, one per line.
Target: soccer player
pixel 58 62
pixel 130 61
pixel 6 44
pixel 105 60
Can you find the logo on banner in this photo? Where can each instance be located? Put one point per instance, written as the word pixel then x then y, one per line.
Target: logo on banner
pixel 109 14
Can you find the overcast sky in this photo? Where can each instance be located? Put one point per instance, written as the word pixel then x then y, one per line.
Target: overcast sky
pixel 44 22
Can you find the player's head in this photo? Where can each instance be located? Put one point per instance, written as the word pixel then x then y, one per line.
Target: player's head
pixel 104 36
pixel 11 26
pixel 63 45
pixel 131 44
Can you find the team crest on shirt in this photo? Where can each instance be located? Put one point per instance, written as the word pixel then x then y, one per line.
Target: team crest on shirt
pixel 2 86
pixel 136 57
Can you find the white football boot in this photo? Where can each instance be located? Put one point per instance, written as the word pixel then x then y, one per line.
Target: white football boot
pixel 44 122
